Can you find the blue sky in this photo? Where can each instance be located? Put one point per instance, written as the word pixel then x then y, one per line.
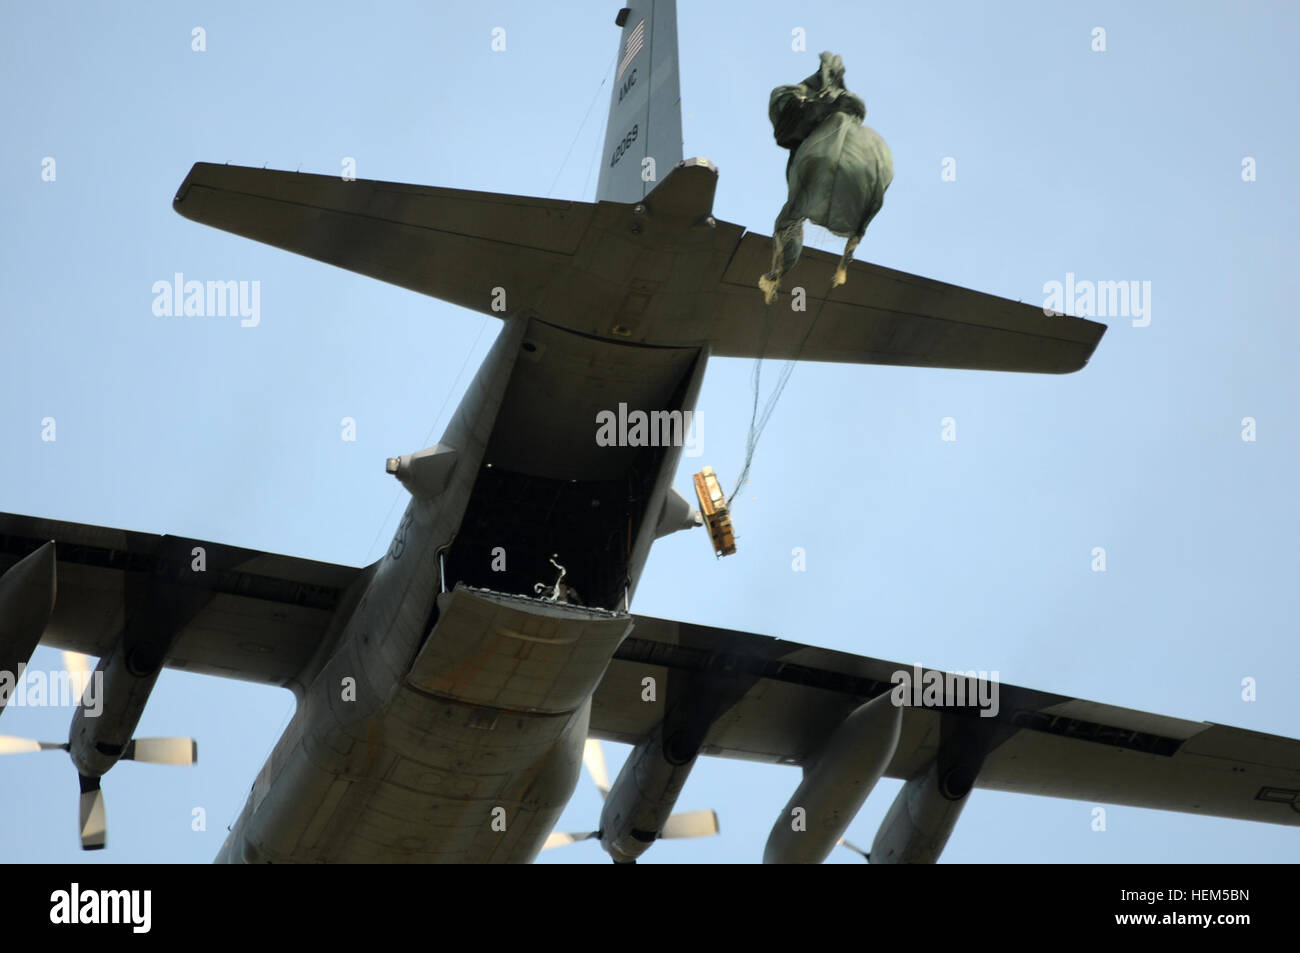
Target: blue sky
pixel 972 554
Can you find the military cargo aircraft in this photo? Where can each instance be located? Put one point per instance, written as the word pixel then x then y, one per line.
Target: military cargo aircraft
pixel 446 693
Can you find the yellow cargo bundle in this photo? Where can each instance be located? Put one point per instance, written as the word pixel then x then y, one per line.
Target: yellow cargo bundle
pixel 713 507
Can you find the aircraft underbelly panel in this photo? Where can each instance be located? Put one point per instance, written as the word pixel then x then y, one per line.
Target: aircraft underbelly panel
pixel 441 781
pixel 473 757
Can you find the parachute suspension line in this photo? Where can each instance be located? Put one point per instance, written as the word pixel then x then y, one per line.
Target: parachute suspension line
pixel 757 421
pixel 755 377
pixel 751 441
pixel 582 125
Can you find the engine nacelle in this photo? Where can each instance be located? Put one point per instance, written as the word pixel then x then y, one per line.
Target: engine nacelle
pixel 644 793
pixel 920 820
pixel 99 736
pixel 835 784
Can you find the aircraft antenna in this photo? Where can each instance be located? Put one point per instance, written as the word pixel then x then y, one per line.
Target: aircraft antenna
pixel 582 125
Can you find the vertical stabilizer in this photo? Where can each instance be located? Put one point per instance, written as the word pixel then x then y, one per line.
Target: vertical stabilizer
pixel 643 137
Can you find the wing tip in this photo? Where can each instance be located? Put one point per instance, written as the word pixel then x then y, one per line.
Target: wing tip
pixel 197 171
pixel 178 201
pixel 1090 348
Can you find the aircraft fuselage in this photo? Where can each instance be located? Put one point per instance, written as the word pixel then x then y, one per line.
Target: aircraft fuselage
pixel 445 720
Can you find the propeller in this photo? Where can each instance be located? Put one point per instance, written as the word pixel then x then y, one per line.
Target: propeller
pixel 92 815
pixel 558 839
pixel 845 842
pixel 162 751
pixel 688 824
pixel 78 669
pixel 140 750
pixel 593 756
pixel 691 824
pixel 11 745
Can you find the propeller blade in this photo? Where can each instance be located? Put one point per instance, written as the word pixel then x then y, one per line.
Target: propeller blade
pixel 560 840
pixel 844 842
pixel 10 744
pixel 93 817
pixel 593 756
pixel 691 824
pixel 79 668
pixel 75 662
pixel 162 751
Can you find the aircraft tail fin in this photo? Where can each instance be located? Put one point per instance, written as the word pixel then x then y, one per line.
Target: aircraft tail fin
pixel 643 136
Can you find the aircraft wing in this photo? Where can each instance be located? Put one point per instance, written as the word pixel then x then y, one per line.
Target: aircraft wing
pixel 448 243
pixel 765 699
pixel 245 614
pixel 882 316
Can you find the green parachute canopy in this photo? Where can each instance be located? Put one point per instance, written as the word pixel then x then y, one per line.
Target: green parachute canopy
pixel 838 171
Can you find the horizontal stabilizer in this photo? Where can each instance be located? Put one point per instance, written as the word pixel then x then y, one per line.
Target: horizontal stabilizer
pixel 662 272
pixel 882 316
pixel 447 243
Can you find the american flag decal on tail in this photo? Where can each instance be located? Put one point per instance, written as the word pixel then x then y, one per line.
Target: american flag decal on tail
pixel 635 40
pixel 645 102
